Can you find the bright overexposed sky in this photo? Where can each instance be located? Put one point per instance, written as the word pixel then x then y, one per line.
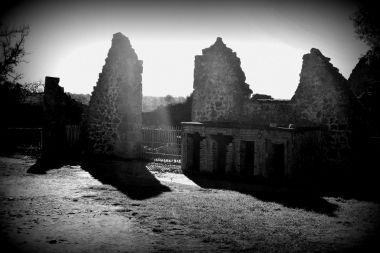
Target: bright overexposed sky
pixel 70 39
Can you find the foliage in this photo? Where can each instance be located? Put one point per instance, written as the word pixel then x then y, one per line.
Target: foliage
pixel 12 43
pixel 365 78
pixel 172 114
pixel 34 87
pixel 169 99
pixel 14 112
pixel 81 98
pixel 366 22
pixel 151 103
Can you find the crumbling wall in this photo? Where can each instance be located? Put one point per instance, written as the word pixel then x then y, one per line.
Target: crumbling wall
pixel 60 111
pixel 221 94
pixel 364 81
pixel 265 112
pixel 366 76
pixel 323 98
pixel 220 91
pixel 114 121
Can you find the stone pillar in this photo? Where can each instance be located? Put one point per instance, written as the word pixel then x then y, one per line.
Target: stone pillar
pixel 237 145
pixel 114 121
pixel 230 158
pixel 184 152
pixel 54 140
pixel 203 155
pixel 220 91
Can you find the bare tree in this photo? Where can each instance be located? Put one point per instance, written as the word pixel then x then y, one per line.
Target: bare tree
pixel 12 46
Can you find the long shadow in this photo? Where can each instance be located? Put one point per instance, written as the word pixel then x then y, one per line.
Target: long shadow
pixel 43 165
pixel 132 178
pixel 289 196
pixel 361 189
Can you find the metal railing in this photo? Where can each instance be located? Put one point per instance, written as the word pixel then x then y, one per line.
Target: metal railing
pixel 162 144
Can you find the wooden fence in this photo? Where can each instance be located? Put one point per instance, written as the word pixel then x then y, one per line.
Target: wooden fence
pixel 162 144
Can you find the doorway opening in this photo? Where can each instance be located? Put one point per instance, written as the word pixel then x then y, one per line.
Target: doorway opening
pixel 247 158
pixel 276 160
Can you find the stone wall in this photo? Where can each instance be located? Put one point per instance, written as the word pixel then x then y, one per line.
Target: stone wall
pixel 220 91
pixel 221 94
pixel 301 150
pixel 366 76
pixel 364 81
pixel 59 112
pixel 323 98
pixel 114 121
pixel 268 111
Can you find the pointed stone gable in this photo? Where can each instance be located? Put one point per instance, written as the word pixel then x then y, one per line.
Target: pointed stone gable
pixel 364 81
pixel 322 96
pixel 114 122
pixel 220 90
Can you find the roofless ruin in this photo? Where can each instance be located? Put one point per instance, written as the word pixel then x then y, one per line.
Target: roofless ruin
pixel 270 138
pixel 317 132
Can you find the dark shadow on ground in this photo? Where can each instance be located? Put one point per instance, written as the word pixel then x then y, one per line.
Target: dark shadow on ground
pixel 132 178
pixel 43 165
pixel 288 195
pixel 360 189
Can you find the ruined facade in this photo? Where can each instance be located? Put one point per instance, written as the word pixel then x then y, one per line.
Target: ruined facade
pixel 220 91
pixel 62 116
pixel 364 81
pixel 247 150
pixel 114 119
pixel 221 94
pixel 312 130
pixel 323 98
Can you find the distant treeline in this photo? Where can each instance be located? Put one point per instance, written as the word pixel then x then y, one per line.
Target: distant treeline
pixel 172 114
pixel 81 98
pixel 19 107
pixel 149 103
pixel 156 111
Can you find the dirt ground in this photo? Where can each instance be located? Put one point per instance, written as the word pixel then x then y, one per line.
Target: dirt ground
pixel 119 206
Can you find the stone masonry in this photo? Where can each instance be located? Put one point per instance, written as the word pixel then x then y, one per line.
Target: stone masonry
pixel 114 120
pixel 60 111
pixel 221 94
pixel 220 90
pixel 323 104
pixel 323 98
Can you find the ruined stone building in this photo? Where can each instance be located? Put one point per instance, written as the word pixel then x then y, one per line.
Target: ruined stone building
pixel 220 91
pixel 114 119
pixel 318 132
pixel 232 133
pixel 62 120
